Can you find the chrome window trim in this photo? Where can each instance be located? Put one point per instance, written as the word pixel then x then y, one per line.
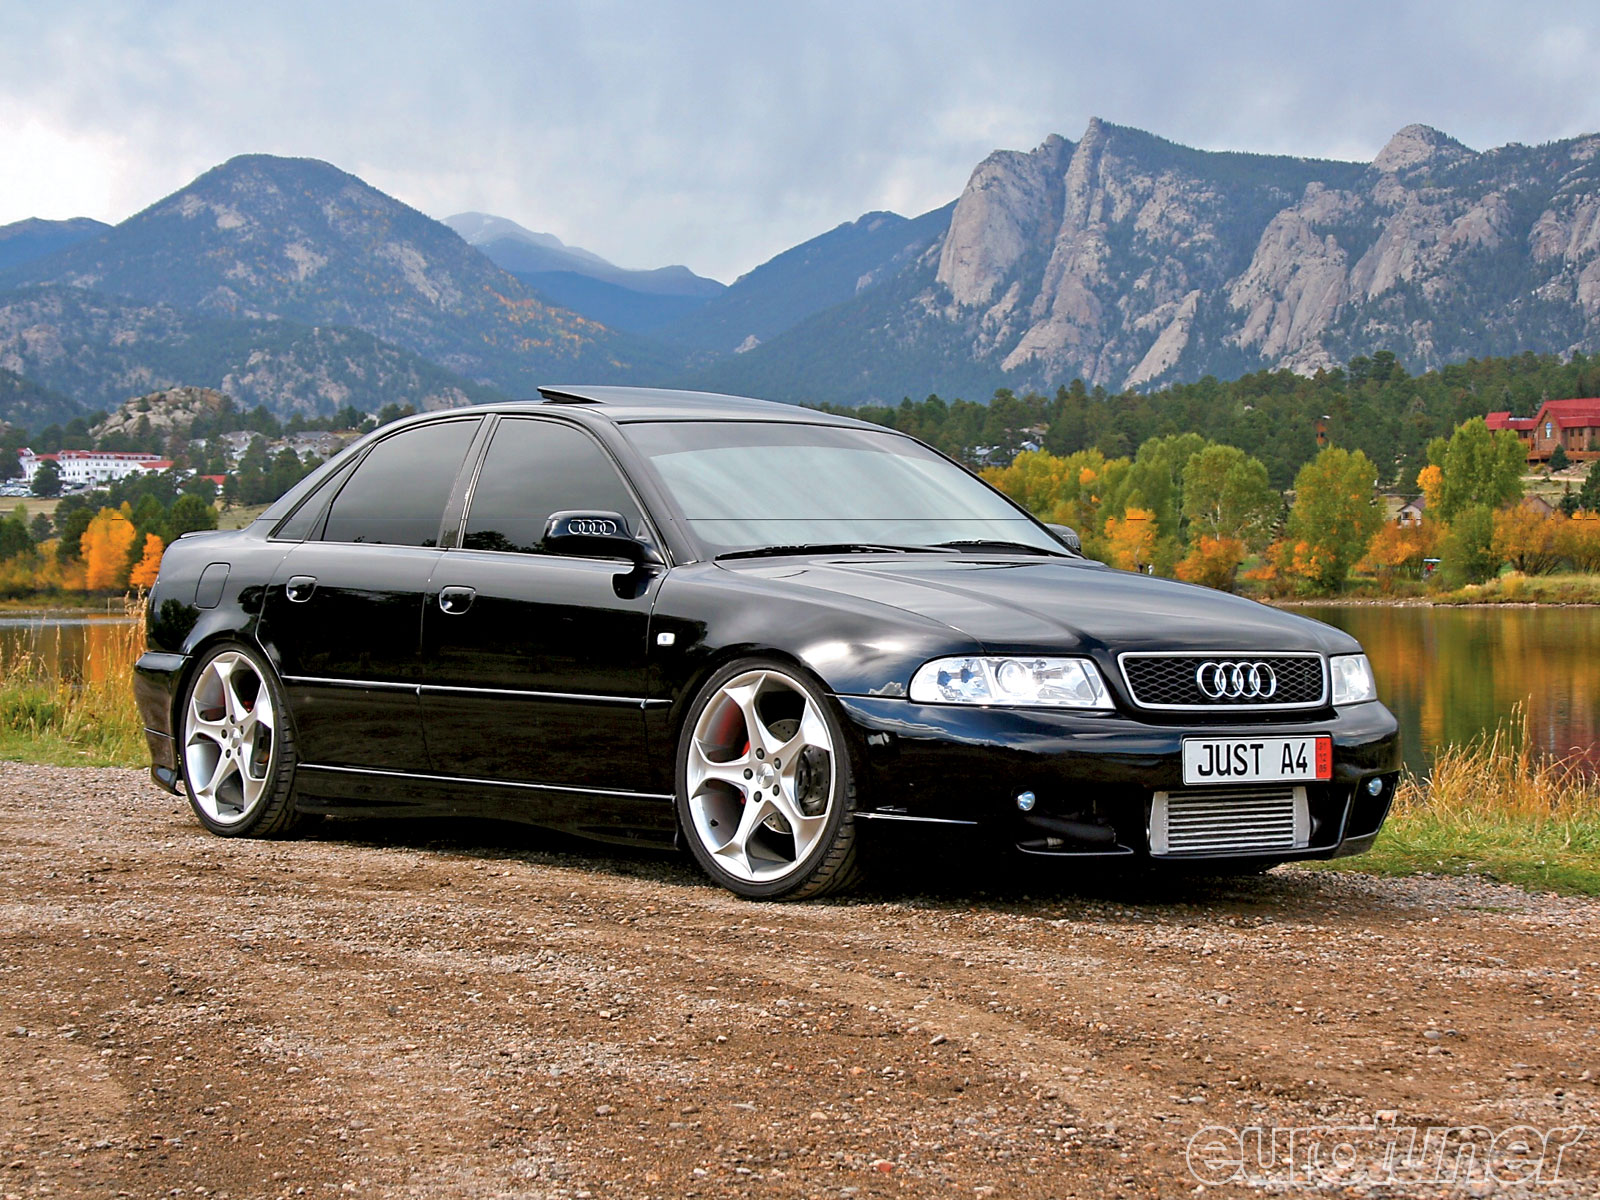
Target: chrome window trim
pixel 1245 655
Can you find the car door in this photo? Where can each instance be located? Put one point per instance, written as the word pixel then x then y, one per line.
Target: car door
pixel 534 663
pixel 342 618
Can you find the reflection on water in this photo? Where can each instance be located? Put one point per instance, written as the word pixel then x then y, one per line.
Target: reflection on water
pixel 1450 673
pixel 79 646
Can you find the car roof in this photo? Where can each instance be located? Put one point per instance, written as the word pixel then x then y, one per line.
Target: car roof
pixel 624 404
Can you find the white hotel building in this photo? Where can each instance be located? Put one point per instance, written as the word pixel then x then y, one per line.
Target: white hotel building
pixel 92 466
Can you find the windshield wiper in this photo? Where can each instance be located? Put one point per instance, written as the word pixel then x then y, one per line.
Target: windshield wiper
pixel 1001 544
pixel 829 548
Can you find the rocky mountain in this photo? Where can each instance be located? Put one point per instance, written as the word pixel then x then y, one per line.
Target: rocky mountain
pixel 637 301
pixel 265 238
pixel 32 406
pixel 1128 261
pixel 100 350
pixel 25 241
pixel 815 275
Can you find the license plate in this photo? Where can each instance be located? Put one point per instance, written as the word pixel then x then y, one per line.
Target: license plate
pixel 1257 760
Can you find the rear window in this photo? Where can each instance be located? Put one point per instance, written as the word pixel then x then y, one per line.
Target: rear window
pixel 397 495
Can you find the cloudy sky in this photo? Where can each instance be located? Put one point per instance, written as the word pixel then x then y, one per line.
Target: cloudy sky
pixel 718 134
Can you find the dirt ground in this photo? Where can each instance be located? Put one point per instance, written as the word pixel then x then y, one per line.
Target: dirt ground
pixel 394 1009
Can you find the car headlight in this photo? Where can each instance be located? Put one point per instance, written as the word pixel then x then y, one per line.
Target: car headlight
pixel 1352 679
pixel 1017 682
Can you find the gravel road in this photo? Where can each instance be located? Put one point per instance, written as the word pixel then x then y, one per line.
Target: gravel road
pixel 399 1009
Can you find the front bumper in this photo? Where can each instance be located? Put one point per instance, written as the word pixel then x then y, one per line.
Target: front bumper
pixel 1094 776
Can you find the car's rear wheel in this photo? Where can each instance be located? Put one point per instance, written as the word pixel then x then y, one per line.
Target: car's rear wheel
pixel 765 788
pixel 238 747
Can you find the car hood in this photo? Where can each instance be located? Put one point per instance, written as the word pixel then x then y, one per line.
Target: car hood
pixel 1007 603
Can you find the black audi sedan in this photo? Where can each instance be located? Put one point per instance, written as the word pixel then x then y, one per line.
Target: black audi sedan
pixel 748 628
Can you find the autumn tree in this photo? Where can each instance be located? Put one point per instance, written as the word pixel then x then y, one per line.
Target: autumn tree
pixel 1428 481
pixel 1396 551
pixel 143 574
pixel 1579 542
pixel 1212 561
pixel 1067 490
pixel 105 545
pixel 1131 539
pixel 1528 540
pixel 1335 515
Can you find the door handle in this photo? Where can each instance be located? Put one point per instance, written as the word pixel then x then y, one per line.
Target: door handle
pixel 455 600
pixel 300 587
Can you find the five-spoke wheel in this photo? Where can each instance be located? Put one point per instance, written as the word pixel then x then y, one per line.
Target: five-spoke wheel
pixel 237 753
pixel 765 791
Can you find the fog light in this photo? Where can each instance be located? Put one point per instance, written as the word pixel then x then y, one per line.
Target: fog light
pixel 1025 801
pixel 1375 786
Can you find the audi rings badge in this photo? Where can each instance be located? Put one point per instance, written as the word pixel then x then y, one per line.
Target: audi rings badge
pixel 1236 680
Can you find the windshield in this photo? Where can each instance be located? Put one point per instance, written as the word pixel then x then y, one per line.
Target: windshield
pixel 751 485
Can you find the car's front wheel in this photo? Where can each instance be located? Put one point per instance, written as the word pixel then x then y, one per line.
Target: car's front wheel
pixel 238 748
pixel 765 789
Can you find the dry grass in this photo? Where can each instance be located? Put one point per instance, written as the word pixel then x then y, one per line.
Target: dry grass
pixel 86 720
pixel 1495 807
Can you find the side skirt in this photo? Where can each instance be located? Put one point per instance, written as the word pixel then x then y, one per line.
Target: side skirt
pixel 627 818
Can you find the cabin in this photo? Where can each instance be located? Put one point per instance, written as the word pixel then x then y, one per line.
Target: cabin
pixel 1574 425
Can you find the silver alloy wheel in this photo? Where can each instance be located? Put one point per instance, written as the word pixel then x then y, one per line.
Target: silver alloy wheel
pixel 229 738
pixel 761 781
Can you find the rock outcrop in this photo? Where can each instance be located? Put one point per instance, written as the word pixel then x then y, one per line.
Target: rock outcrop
pixel 1127 260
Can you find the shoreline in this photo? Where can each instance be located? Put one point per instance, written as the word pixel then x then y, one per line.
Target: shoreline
pixel 1421 602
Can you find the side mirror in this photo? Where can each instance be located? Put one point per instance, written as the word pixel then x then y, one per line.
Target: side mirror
pixel 597 535
pixel 1067 536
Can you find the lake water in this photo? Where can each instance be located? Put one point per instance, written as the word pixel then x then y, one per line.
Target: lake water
pixel 1447 673
pixel 67 643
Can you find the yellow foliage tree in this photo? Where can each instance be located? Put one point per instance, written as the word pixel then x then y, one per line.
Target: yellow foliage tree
pixel 1131 539
pixel 1528 540
pixel 1212 561
pixel 1579 541
pixel 1429 479
pixel 143 574
pixel 105 545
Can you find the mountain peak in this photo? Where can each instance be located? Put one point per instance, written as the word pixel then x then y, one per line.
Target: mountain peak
pixel 1418 144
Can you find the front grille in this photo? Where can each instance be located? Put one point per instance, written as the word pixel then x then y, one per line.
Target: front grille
pixel 1168 681
pixel 1230 821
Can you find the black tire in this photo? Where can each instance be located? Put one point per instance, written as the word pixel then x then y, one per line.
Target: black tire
pixel 249 790
pixel 823 846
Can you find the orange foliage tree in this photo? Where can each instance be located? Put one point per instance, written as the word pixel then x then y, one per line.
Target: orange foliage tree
pixel 105 545
pixel 1528 540
pixel 1396 551
pixel 1131 539
pixel 1212 561
pixel 143 574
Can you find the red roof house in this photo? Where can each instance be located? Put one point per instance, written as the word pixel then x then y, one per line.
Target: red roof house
pixel 1571 424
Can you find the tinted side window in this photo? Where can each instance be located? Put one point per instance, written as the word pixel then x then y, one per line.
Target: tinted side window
pixel 298 527
pixel 398 493
pixel 535 468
